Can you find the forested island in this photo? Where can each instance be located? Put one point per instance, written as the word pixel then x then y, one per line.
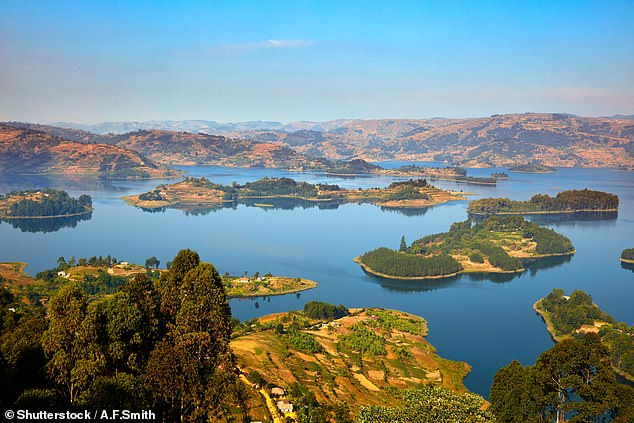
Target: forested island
pixel 572 201
pixel 44 203
pixel 194 192
pixel 532 168
pixel 627 255
pixel 448 173
pixel 262 286
pixel 495 245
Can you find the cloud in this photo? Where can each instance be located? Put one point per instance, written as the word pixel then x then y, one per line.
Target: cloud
pixel 259 45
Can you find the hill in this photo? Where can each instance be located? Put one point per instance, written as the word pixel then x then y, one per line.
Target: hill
pixel 364 358
pixel 495 245
pixel 559 140
pixel 24 151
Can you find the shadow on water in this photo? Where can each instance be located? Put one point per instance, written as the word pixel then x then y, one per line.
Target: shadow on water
pixel 562 218
pixel 627 266
pixel 268 204
pixel 532 267
pixel 51 224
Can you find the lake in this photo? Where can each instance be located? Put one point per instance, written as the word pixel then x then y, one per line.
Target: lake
pixel 485 320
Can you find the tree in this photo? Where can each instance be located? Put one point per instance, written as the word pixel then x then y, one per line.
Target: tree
pixel 61 263
pixel 403 247
pixel 169 284
pixel 71 342
pixel 152 262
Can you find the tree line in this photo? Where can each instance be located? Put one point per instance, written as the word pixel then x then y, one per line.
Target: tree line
pixel 393 263
pixel 571 200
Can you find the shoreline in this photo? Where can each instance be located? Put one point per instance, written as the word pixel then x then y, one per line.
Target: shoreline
pixel 48 217
pixel 493 270
pixel 310 284
pixel 545 316
pixel 626 260
pixel 542 212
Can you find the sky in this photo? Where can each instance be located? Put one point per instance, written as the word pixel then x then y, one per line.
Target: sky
pixel 229 61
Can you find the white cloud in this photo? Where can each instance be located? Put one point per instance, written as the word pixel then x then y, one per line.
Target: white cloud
pixel 258 45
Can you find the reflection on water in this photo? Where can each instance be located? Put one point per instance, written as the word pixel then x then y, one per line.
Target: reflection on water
pixel 627 266
pixel 50 224
pixel 563 218
pixel 269 204
pixel 532 267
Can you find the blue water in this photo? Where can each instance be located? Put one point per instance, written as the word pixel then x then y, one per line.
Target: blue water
pixel 486 321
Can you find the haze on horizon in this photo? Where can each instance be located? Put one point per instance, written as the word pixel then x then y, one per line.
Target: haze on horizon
pixel 90 62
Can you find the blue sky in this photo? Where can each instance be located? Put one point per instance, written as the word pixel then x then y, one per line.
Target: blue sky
pixel 94 61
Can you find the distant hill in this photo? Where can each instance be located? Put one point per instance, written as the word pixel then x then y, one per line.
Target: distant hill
pixel 553 139
pixel 24 151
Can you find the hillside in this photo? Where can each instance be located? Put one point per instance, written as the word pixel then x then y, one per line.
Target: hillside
pixel 182 148
pixel 358 359
pixel 25 151
pixel 559 140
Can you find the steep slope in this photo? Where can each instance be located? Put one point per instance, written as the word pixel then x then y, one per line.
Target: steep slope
pixel 27 151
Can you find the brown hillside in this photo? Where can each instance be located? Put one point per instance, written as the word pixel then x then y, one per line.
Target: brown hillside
pixel 28 151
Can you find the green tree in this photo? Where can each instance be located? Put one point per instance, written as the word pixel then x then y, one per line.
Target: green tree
pixel 403 247
pixel 169 284
pixel 152 262
pixel 71 342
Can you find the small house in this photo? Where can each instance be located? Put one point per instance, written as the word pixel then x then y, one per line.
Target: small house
pixel 244 279
pixel 63 274
pixel 277 391
pixel 285 406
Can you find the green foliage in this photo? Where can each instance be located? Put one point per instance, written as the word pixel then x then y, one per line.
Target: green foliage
pixel 476 257
pixel 390 262
pixel 267 187
pixel 403 246
pixel 364 341
pixel 572 377
pixel 103 283
pixel 498 257
pixel 430 404
pixel 304 342
pixel 564 201
pixel 628 254
pixel 567 315
pixel 52 203
pixel 322 310
pixel 388 320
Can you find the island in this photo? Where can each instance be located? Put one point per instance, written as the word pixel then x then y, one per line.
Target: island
pixel 495 245
pixel 572 201
pixel 500 175
pixel 627 256
pixel 448 173
pixel 44 203
pixel 264 286
pixel 571 316
pixel 196 192
pixel 532 168
pixel 327 355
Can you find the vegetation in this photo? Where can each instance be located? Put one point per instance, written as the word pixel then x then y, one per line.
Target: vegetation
pixel 627 255
pixel 572 316
pixel 565 201
pixel 430 404
pixel 393 263
pixel 322 310
pixel 164 345
pixel 43 203
pixel 194 192
pixel 364 341
pixel 572 379
pixel 532 168
pixel 495 244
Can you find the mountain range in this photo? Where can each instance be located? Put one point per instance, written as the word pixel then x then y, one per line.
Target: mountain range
pixel 553 139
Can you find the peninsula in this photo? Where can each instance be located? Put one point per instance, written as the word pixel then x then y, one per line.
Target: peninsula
pixel 264 286
pixel 495 245
pixel 45 203
pixel 334 355
pixel 569 316
pixel 573 201
pixel 195 192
